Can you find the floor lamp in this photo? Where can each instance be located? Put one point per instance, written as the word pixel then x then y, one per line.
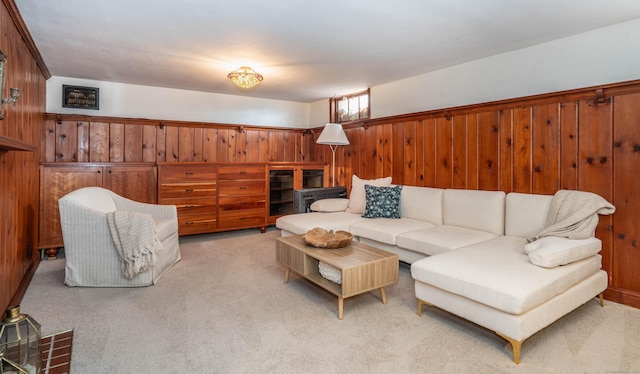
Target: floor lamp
pixel 333 135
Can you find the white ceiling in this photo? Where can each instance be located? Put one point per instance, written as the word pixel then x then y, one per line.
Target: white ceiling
pixel 307 50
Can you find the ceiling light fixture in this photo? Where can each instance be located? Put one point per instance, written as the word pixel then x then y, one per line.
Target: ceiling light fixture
pixel 245 77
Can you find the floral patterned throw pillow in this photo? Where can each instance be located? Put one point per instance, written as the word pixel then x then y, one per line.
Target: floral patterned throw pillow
pixel 382 202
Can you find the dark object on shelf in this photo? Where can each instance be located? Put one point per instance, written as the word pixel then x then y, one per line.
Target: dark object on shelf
pixel 305 197
pixel 80 97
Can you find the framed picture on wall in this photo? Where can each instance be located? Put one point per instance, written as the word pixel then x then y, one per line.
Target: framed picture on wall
pixel 80 97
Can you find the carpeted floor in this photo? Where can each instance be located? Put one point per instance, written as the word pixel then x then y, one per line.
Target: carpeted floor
pixel 225 309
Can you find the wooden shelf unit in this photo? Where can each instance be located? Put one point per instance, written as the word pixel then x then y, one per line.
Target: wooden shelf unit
pixel 286 177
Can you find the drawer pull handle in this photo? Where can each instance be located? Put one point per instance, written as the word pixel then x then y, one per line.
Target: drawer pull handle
pixel 189 223
pixel 242 218
pixel 243 202
pixel 243 188
pixel 243 172
pixel 189 206
pixel 188 190
pixel 188 173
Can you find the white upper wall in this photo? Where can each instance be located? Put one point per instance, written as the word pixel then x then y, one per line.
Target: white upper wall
pixel 607 55
pixel 135 101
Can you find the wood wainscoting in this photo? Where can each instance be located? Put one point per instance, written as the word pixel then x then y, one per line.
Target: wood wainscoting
pixel 20 135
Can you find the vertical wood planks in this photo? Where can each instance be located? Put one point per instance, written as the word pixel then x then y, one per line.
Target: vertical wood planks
pixel 488 150
pixel 546 148
pixel 594 164
pixel 569 145
pixel 626 198
pixel 443 146
pixel 522 153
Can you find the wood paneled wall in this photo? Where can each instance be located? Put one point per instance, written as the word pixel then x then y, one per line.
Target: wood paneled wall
pixel 585 139
pixel 98 139
pixel 19 169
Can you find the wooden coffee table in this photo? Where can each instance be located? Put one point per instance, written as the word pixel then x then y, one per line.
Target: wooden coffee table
pixel 363 268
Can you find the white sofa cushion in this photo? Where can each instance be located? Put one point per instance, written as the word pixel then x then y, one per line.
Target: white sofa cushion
pixel 385 230
pixel 357 198
pixel 330 205
pixel 301 223
pixel 526 214
pixel 498 273
pixel 552 251
pixel 423 203
pixel 474 209
pixel 439 239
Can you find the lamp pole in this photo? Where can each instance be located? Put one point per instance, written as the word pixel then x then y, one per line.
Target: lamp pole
pixel 333 164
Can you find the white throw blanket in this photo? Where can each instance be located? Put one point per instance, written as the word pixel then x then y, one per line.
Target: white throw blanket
pixel 135 237
pixel 574 214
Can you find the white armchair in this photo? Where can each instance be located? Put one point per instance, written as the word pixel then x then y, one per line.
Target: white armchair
pixel 91 255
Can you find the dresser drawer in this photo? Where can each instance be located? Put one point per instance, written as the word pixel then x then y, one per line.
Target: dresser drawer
pixel 242 187
pixel 244 218
pixel 243 205
pixel 187 189
pixel 228 202
pixel 180 173
pixel 197 210
pixel 242 172
pixel 197 227
pixel 189 200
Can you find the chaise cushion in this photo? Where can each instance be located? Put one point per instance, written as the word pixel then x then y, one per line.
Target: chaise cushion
pixel 385 230
pixel 438 239
pixel 552 251
pixel 498 273
pixel 357 198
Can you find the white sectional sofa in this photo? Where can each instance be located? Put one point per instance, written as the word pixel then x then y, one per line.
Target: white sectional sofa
pixel 468 254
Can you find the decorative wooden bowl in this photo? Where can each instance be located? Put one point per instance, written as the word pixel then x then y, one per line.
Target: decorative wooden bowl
pixel 321 238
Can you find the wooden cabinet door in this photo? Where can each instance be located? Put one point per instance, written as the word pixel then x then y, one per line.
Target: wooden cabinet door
pixel 56 182
pixel 133 182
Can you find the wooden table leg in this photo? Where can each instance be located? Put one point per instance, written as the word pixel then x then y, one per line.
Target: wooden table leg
pixel 383 295
pixel 340 307
pixel 286 275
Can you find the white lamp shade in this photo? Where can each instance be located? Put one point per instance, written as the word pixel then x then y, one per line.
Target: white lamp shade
pixel 333 134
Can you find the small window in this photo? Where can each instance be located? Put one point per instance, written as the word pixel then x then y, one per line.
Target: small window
pixel 349 108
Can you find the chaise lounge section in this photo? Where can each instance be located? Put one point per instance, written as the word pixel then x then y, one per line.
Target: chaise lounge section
pixel 471 252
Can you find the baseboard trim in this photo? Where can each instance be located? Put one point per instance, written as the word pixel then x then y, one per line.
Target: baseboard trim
pixel 623 296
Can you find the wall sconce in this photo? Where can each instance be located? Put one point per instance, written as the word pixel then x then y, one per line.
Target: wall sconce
pixel 14 94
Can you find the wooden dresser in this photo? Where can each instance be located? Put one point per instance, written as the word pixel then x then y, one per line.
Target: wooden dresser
pixel 242 196
pixel 215 197
pixel 193 189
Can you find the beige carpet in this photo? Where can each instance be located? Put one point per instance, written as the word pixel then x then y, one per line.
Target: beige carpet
pixel 225 309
